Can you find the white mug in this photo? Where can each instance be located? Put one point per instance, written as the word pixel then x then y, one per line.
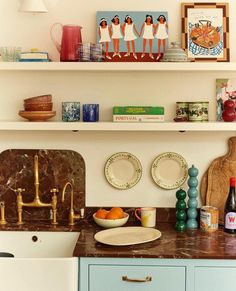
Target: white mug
pixel 148 216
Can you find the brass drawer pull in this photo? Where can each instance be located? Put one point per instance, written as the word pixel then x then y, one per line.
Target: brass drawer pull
pixel 147 279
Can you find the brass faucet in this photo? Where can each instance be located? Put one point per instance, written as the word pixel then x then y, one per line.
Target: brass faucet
pixel 36 202
pixel 72 215
pixel 2 214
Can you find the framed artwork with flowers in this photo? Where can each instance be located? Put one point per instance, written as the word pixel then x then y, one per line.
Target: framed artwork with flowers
pixel 205 31
pixel 225 90
pixel 129 36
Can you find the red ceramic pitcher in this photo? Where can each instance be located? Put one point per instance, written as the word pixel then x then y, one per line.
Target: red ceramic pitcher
pixel 71 37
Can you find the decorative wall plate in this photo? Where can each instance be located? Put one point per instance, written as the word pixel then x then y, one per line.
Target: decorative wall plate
pixel 169 170
pixel 124 236
pixel 123 170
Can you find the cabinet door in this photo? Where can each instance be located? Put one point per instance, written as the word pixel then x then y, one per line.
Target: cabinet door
pixel 136 278
pixel 215 278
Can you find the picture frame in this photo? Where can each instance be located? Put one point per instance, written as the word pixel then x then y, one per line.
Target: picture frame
pixel 205 31
pixel 132 36
pixel 225 90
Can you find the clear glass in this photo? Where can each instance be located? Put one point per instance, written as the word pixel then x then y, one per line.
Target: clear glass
pixel 10 53
pixel 90 52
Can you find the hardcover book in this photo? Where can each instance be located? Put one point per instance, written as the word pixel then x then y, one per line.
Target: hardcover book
pixel 138 118
pixel 34 55
pixel 143 110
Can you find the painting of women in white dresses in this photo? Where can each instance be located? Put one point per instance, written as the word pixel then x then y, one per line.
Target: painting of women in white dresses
pixel 132 36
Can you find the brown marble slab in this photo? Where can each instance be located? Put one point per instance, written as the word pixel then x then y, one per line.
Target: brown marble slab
pixel 56 167
pixel 187 245
pixel 42 225
pixel 174 245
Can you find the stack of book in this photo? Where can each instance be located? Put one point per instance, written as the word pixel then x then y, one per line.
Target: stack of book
pixel 34 56
pixel 138 114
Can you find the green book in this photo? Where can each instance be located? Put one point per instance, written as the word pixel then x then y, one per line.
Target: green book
pixel 144 110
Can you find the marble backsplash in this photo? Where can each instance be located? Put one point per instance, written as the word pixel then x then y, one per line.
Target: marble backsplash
pixel 56 167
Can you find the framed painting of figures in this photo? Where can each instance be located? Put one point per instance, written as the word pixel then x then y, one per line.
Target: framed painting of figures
pixel 205 31
pixel 132 36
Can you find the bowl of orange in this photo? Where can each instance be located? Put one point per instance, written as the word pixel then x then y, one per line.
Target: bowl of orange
pixel 111 218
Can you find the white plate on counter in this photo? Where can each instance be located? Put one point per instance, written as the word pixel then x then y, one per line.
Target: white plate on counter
pixel 125 236
pixel 169 170
pixel 123 170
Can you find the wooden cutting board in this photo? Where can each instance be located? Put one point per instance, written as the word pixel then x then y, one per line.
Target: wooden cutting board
pixel 203 187
pixel 215 183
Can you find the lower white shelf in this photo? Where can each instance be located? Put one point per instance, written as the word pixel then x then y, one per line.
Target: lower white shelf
pixel 111 126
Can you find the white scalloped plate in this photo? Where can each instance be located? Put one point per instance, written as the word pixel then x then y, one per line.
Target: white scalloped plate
pixel 125 236
pixel 123 170
pixel 169 170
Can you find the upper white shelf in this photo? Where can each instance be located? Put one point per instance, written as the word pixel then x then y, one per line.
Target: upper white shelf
pixel 115 127
pixel 77 66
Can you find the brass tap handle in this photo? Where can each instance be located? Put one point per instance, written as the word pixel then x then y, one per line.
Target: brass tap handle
pixel 54 205
pixel 19 191
pixel 2 219
pixel 54 197
pixel 54 191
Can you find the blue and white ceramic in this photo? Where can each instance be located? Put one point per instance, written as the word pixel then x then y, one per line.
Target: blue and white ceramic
pixel 91 112
pixel 70 111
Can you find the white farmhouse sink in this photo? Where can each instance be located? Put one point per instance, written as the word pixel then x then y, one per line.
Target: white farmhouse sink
pixel 42 261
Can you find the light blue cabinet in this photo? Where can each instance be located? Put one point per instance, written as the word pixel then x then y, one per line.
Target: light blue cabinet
pixel 215 278
pixel 136 278
pixel 130 274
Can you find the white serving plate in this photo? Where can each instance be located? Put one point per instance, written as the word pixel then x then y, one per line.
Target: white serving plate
pixel 124 236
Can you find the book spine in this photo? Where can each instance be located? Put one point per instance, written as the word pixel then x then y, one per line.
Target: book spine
pixel 36 55
pixel 142 110
pixel 138 118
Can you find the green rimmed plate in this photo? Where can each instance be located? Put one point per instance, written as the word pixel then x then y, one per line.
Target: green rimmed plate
pixel 123 170
pixel 169 170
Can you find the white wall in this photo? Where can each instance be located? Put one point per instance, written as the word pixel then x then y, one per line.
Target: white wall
pixel 107 89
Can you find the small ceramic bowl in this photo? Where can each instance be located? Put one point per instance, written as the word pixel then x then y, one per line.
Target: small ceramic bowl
pixel 37 115
pixel 41 106
pixel 111 223
pixel 36 99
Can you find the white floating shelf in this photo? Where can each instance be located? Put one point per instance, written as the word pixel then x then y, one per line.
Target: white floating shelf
pixel 77 66
pixel 111 126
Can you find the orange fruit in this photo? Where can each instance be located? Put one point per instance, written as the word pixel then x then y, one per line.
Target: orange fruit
pixel 115 213
pixel 101 213
pixel 119 211
pixel 111 215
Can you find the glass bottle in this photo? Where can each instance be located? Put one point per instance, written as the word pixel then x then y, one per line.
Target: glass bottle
pixel 230 209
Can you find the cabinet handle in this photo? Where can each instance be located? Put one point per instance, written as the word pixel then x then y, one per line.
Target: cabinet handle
pixel 127 279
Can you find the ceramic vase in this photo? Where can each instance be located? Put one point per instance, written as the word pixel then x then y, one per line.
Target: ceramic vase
pixel 229 111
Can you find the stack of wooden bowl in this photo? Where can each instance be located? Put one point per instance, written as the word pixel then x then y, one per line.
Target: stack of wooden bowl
pixel 38 108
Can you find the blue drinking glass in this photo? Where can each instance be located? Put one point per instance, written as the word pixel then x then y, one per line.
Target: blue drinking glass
pixel 70 111
pixel 91 112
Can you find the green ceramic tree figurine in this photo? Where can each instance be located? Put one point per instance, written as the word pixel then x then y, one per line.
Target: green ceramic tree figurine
pixel 192 202
pixel 180 210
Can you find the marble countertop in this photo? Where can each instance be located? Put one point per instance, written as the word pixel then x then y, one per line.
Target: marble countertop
pixel 172 244
pixel 187 245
